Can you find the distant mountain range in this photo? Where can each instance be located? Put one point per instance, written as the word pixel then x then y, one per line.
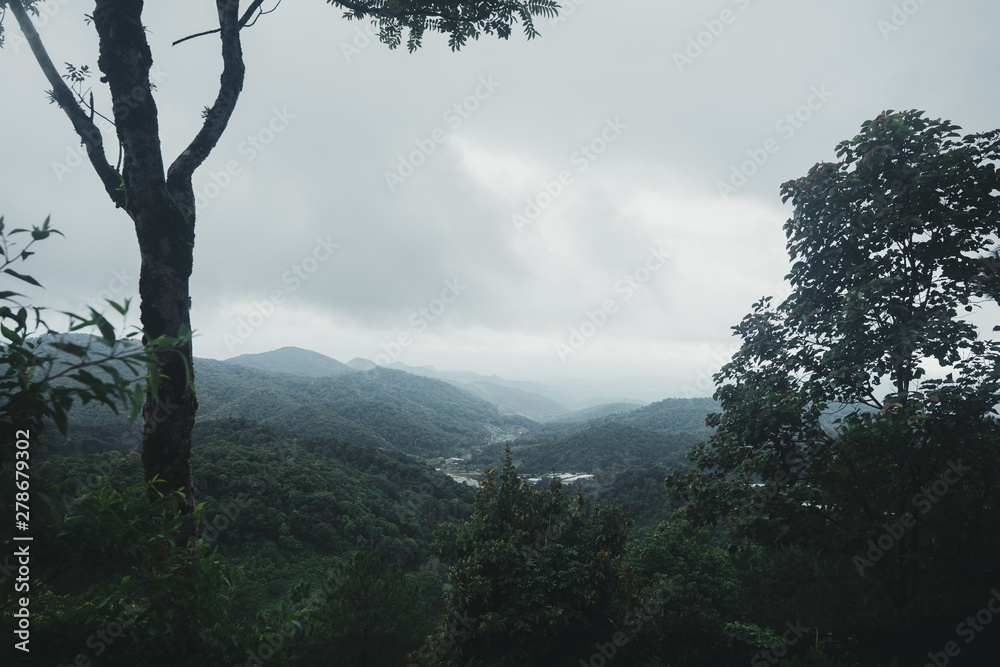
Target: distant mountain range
pixel 534 400
pixel 453 414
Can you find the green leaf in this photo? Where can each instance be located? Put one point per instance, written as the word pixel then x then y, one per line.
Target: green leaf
pixel 107 331
pixel 20 276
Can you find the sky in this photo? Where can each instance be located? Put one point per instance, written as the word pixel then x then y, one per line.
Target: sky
pixel 601 201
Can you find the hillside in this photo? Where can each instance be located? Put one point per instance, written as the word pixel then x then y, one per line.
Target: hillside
pixel 293 360
pixel 273 498
pixel 517 401
pixel 595 412
pixel 672 415
pixel 379 408
pixel 603 446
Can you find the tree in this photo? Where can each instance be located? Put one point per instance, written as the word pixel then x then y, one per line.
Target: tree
pixel 700 623
pixel 532 565
pixel 372 616
pixel 160 201
pixel 888 244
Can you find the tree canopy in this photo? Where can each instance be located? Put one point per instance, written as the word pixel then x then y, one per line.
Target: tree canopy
pixel 889 244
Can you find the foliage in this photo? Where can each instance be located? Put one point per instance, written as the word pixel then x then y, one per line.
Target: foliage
pixel 594 412
pixel 160 198
pixel 528 564
pixel 281 505
pixel 671 415
pixel 888 243
pixel 641 490
pixel 701 622
pixel 458 20
pixel 43 373
pixel 93 588
pixel 599 447
pixel 370 614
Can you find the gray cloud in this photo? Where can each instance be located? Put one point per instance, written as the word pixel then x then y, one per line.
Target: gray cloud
pixel 773 89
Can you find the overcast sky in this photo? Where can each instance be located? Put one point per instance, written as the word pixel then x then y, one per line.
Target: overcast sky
pixel 617 177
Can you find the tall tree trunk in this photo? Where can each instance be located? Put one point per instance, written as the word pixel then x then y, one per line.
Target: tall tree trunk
pixel 165 243
pixel 165 233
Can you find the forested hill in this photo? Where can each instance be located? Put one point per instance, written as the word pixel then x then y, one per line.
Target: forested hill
pixel 293 360
pixel 508 399
pixel 602 446
pixel 282 504
pixel 596 412
pixel 671 415
pixel 380 408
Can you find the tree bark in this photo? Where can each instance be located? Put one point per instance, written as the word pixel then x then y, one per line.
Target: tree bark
pixel 166 242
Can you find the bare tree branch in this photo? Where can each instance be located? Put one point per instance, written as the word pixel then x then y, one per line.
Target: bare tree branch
pixel 244 21
pixel 82 123
pixel 230 86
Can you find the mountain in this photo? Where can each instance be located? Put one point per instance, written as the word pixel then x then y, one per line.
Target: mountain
pixel 361 364
pixel 517 401
pixel 293 360
pixel 672 415
pixel 602 446
pixel 380 408
pixel 595 412
pixel 507 396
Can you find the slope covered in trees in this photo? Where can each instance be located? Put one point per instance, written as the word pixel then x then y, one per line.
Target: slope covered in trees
pixel 380 408
pixel 603 446
pixel 595 412
pixel 281 504
pixel 293 360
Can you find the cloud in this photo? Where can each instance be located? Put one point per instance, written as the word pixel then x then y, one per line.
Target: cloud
pixel 351 111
